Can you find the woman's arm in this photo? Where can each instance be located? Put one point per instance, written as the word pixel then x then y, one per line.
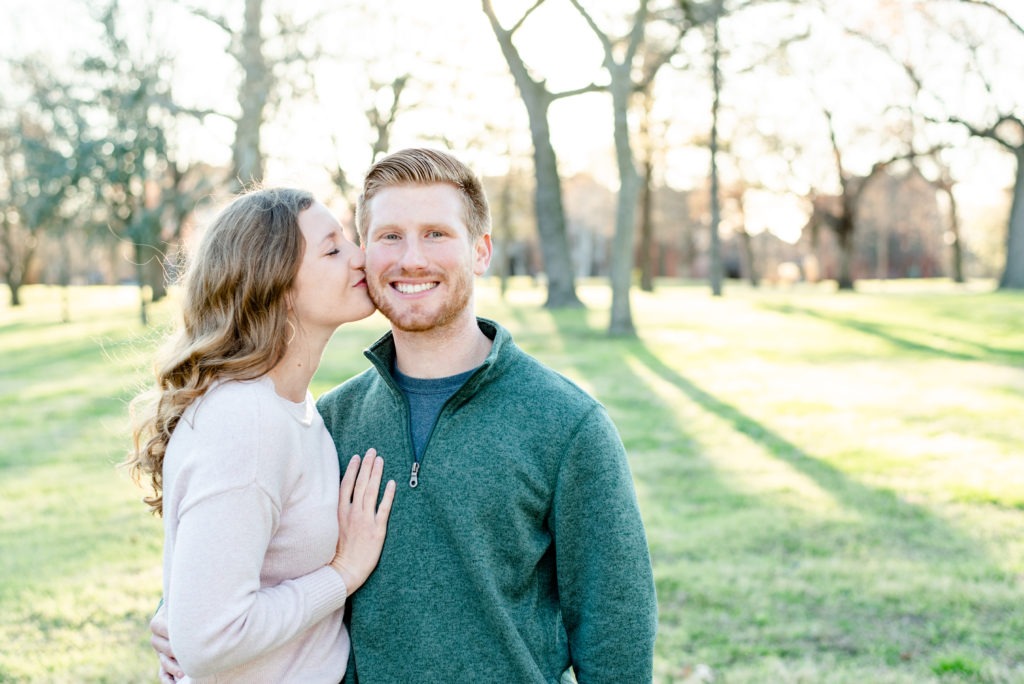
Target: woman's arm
pixel 221 617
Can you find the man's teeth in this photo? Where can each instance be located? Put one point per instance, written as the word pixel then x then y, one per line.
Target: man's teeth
pixel 413 288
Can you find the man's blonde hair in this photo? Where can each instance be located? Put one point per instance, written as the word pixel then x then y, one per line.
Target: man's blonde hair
pixel 424 166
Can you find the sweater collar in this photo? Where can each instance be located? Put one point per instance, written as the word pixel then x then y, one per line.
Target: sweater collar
pixel 382 355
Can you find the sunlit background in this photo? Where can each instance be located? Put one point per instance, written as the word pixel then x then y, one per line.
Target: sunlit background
pixel 783 64
pixel 832 483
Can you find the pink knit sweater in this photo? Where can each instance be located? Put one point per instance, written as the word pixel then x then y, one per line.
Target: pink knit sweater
pixel 250 525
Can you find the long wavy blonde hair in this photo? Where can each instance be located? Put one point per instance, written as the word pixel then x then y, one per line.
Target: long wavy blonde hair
pixel 234 318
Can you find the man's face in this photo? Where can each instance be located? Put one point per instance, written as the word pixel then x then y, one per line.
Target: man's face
pixel 420 261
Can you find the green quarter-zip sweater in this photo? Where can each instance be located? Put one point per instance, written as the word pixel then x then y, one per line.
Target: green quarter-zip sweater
pixel 520 552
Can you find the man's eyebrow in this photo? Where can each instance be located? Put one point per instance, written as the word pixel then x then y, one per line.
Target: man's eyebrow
pixel 420 226
pixel 382 227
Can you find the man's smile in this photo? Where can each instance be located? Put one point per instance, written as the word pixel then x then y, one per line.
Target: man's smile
pixel 414 288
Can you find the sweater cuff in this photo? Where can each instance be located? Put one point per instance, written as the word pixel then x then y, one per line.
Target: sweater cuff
pixel 326 591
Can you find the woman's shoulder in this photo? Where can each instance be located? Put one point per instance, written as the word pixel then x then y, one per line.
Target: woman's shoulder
pixel 230 398
pixel 221 442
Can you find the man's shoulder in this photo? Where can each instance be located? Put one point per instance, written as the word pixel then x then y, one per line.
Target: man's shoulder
pixel 533 376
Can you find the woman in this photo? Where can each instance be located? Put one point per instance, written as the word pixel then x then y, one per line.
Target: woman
pixel 260 547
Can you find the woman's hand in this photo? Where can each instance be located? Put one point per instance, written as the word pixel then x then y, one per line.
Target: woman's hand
pixel 170 671
pixel 361 523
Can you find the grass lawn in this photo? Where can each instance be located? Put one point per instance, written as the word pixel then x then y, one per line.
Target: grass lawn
pixel 833 484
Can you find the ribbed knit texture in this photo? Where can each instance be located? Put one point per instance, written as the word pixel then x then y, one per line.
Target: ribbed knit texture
pixel 522 549
pixel 250 521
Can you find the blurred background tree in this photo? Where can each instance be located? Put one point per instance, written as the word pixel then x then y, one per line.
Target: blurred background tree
pixel 702 139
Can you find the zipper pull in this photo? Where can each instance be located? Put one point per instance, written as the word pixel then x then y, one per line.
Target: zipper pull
pixel 414 478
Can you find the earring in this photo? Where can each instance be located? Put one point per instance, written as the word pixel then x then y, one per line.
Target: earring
pixel 294 331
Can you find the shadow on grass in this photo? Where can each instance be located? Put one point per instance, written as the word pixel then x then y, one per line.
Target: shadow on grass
pixel 888 333
pixel 855 495
pixel 746 576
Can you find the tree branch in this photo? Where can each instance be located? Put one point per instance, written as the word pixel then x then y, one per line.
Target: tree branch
pixel 998 10
pixel 592 88
pixel 526 15
pixel 990 133
pixel 662 58
pixel 605 42
pixel 636 35
pixel 215 19
pixel 515 62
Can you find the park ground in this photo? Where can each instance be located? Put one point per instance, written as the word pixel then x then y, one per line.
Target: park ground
pixel 833 484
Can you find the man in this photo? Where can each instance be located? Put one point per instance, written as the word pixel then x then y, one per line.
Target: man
pixel 515 550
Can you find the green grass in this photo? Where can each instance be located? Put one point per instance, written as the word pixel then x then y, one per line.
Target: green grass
pixel 833 484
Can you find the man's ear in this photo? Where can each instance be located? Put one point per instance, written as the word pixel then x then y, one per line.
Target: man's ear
pixel 483 250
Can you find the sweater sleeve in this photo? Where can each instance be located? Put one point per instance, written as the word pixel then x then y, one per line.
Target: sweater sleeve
pixel 230 487
pixel 218 614
pixel 605 580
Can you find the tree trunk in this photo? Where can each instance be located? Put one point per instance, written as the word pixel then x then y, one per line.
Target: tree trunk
pixel 554 242
pixel 140 274
pixel 15 288
pixel 13 275
pixel 20 249
pixel 1013 274
pixel 504 233
pixel 715 247
pixel 156 274
pixel 749 260
pixel 884 229
pixel 550 213
pixel 955 244
pixel 845 238
pixel 647 254
pixel 252 98
pixel 715 266
pixel 625 210
pixel 64 279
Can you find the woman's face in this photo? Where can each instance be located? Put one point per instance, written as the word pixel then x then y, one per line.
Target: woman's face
pixel 330 288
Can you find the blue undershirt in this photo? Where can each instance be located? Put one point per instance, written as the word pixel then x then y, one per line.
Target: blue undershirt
pixel 426 399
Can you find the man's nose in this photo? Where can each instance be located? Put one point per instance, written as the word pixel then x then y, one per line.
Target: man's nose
pixel 413 257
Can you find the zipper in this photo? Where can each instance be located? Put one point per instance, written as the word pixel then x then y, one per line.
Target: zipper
pixel 414 474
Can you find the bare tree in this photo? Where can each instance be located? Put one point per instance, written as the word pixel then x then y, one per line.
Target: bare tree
pixel 43 162
pixel 258 89
pixel 32 181
pixel 840 213
pixel 537 98
pixel 945 184
pixel 622 67
pixel 385 106
pixel 648 151
pixel 1004 127
pixel 715 270
pixel 1008 132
